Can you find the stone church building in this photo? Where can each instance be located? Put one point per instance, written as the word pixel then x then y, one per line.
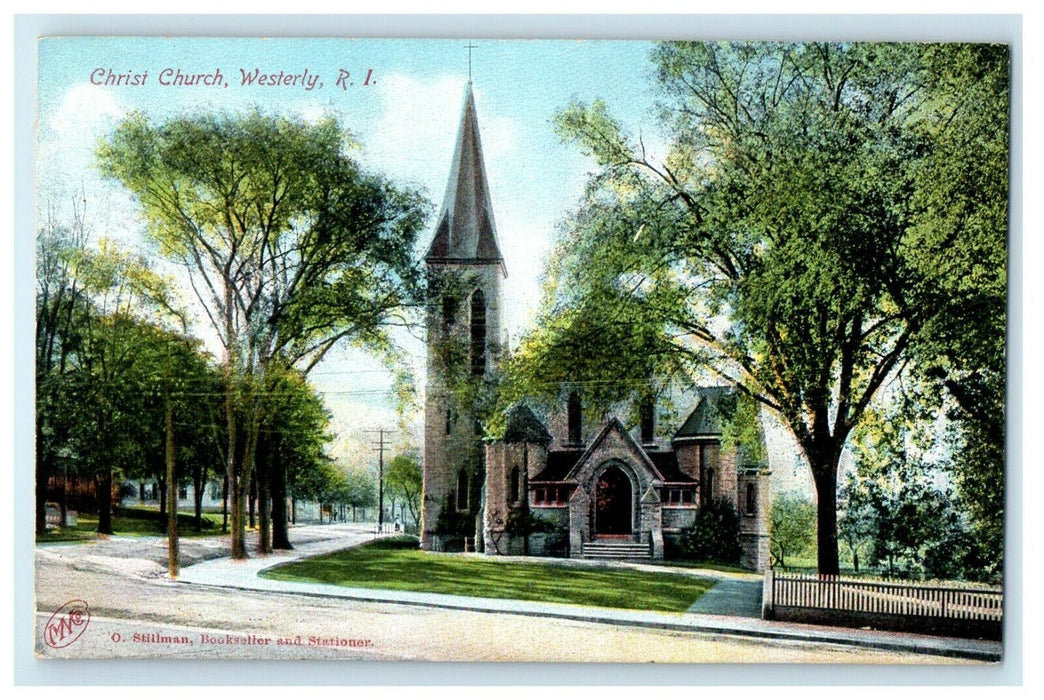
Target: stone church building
pixel 553 485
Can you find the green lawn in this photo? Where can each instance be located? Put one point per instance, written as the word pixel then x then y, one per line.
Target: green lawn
pixel 133 522
pixel 397 564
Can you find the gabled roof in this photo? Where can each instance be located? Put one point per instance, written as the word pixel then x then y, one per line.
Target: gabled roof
pixel 705 420
pixel 615 426
pixel 465 232
pixel 523 426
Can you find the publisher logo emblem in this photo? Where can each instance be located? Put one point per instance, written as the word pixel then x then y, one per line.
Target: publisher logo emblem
pixel 67 624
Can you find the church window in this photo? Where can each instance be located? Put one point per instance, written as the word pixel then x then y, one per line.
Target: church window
pixel 679 497
pixel 449 421
pixel 449 310
pixel 462 492
pixel 575 417
pixel 708 462
pixel 752 499
pixel 478 333
pixel 551 496
pixel 516 485
pixel 648 420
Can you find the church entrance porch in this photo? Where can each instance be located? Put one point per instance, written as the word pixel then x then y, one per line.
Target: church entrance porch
pixel 614 506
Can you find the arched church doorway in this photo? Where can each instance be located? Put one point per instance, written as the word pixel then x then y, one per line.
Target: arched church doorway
pixel 614 502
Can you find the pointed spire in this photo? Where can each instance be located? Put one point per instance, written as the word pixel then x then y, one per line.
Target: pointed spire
pixel 466 232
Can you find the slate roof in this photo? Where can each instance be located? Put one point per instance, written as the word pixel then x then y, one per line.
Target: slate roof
pixel 524 426
pixel 466 232
pixel 705 419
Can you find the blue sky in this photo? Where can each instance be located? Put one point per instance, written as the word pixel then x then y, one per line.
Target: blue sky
pixel 405 123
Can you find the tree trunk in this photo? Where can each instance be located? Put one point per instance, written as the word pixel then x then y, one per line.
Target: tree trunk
pixel 44 468
pixel 103 493
pixel 163 496
pixel 172 494
pixel 41 502
pixel 293 510
pixel 198 484
pixel 234 487
pixel 224 504
pixel 253 500
pixel 825 477
pixel 264 510
pixel 280 534
pixel 64 505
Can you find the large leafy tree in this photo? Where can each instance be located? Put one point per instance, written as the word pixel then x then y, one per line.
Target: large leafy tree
pixel 290 246
pixel 788 243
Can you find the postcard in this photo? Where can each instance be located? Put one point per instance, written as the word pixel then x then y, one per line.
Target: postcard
pixel 503 350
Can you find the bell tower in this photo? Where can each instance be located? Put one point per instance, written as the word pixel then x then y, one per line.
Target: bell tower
pixel 464 336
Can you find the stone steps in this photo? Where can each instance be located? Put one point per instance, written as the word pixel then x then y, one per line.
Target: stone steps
pixel 616 550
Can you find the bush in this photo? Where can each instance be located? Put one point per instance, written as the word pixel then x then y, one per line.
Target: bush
pixel 714 536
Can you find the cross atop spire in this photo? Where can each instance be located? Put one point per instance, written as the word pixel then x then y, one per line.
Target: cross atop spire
pixel 469 47
pixel 465 232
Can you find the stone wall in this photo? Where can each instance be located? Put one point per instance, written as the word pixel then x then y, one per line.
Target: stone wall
pixel 754 518
pixel 447 452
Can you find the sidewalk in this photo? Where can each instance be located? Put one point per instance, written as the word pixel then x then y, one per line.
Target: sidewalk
pixel 243 575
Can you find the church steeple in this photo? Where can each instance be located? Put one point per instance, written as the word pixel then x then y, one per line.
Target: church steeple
pixel 466 232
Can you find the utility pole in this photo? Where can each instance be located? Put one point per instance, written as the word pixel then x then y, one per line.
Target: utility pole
pixel 379 445
pixel 172 484
pixel 172 496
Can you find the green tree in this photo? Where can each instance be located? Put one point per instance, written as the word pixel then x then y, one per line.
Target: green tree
pixel 60 305
pixel 291 444
pixel 967 206
pixel 290 245
pixel 792 527
pixel 897 500
pixel 783 244
pixel 404 480
pixel 106 387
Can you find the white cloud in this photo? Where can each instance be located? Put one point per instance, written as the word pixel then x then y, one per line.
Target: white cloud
pixel 69 138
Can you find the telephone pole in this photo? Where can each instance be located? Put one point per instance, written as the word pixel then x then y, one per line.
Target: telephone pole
pixel 379 449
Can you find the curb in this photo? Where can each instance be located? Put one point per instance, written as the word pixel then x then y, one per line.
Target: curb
pixel 812 636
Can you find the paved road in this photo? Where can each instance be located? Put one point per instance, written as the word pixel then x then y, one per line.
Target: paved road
pixel 125 585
